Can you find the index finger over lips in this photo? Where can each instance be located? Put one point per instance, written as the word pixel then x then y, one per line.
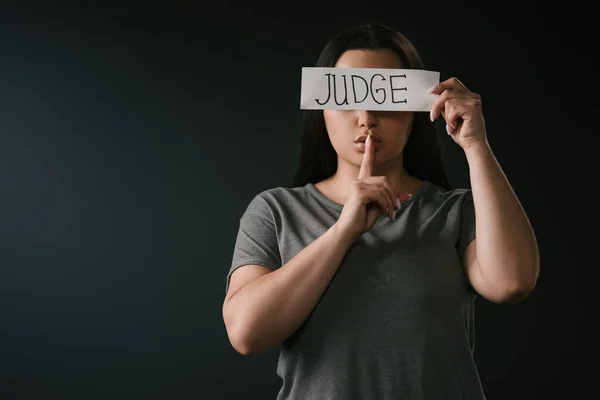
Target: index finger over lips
pixel 366 166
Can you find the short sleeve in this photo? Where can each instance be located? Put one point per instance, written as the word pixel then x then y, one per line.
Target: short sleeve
pixel 256 241
pixel 467 222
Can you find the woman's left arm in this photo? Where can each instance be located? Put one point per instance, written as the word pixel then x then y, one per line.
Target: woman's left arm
pixel 502 263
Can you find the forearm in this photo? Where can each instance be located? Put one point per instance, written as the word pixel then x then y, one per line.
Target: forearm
pixel 269 309
pixel 507 249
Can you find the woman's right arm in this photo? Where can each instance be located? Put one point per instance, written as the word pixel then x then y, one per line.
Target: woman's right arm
pixel 264 311
pixel 268 309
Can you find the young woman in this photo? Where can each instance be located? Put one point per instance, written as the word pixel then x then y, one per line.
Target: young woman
pixel 366 270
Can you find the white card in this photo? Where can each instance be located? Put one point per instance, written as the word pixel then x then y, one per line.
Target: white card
pixel 367 89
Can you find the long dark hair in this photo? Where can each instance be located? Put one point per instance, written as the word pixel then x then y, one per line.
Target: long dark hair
pixel 421 155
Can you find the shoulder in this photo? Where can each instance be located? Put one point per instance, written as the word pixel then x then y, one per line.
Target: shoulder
pixel 268 201
pixel 280 194
pixel 453 200
pixel 455 194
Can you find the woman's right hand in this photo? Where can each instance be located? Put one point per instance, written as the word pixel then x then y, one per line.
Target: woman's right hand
pixel 369 197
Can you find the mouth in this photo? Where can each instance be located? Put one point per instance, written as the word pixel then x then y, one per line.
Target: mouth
pixel 376 139
pixel 361 146
pixel 360 142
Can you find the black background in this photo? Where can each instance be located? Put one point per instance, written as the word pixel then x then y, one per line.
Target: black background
pixel 132 137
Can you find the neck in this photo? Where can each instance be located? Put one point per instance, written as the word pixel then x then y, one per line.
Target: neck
pixel 393 169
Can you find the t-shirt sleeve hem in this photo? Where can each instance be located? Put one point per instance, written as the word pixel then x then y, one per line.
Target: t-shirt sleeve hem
pixel 248 261
pixel 466 243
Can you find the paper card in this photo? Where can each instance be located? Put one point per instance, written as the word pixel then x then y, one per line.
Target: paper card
pixel 367 89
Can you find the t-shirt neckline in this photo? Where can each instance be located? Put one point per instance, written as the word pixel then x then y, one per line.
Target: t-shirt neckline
pixel 339 207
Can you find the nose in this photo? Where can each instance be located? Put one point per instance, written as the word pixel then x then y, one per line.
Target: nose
pixel 367 119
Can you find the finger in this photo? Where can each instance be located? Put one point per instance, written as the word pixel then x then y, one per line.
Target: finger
pixel 404 196
pixel 449 84
pixel 377 186
pixel 449 129
pixel 366 166
pixel 438 105
pixel 383 202
pixel 390 196
pixel 452 113
pixel 399 198
pixel 453 124
pixel 374 192
pixel 456 111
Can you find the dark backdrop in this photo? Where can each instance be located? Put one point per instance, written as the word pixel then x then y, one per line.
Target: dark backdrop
pixel 132 137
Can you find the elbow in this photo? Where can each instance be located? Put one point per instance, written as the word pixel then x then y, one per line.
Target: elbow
pixel 248 344
pixel 513 296
pixel 239 341
pixel 242 334
pixel 527 282
pixel 235 333
pixel 517 292
pixel 239 336
pixel 245 346
pixel 241 347
pixel 524 289
pixel 519 288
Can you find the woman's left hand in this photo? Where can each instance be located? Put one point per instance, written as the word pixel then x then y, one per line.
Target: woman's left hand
pixel 462 111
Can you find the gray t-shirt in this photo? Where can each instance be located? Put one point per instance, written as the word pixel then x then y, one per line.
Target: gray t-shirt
pixel 397 319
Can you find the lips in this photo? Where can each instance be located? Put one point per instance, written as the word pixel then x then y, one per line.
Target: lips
pixel 361 146
pixel 363 138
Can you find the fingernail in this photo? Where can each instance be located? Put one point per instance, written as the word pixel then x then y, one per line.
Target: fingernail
pixel 367 141
pixel 431 115
pixel 448 129
pixel 431 89
pixel 398 203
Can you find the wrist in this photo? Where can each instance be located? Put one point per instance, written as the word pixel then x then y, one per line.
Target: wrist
pixel 479 148
pixel 342 235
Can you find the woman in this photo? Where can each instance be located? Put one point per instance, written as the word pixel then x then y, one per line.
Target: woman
pixel 367 269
